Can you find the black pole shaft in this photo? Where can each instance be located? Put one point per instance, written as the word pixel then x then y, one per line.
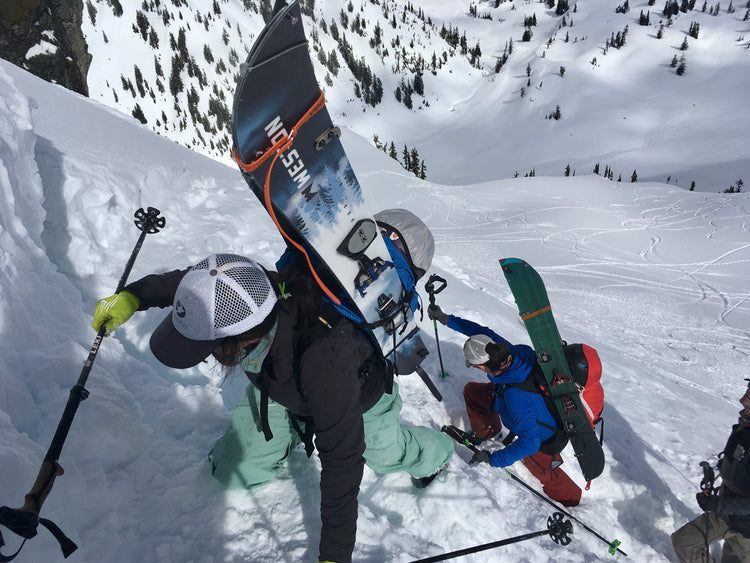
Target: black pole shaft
pixel 148 222
pixel 437 341
pixel 431 290
pixel 484 547
pixel 78 392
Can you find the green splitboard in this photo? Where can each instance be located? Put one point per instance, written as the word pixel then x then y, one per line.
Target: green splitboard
pixel 533 306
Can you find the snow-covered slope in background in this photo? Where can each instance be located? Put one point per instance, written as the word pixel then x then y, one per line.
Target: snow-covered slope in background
pixel 653 276
pixel 625 109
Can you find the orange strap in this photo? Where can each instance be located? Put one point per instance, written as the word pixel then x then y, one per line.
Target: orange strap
pixel 276 149
pixel 535 313
pixel 282 144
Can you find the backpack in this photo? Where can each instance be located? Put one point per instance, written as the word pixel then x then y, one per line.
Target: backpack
pixel 411 247
pixel 586 371
pixel 734 468
pixel 410 236
pixel 316 318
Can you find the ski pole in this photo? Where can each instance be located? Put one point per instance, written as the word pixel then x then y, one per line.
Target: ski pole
pixel 613 545
pixel 431 291
pixel 557 528
pixel 25 520
pixel 427 381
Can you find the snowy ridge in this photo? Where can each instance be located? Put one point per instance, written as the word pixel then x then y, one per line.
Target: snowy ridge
pixel 655 277
pixel 625 108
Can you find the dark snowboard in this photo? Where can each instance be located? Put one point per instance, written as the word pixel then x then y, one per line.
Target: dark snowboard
pixel 291 157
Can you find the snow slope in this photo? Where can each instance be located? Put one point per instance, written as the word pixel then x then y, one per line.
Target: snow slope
pixel 653 276
pixel 623 108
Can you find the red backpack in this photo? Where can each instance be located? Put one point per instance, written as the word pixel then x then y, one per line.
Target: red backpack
pixel 586 370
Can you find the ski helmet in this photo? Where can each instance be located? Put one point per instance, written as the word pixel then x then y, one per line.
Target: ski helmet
pixel 411 236
pixel 223 295
pixel 475 351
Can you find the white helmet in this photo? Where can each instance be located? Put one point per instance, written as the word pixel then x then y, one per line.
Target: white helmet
pixel 475 350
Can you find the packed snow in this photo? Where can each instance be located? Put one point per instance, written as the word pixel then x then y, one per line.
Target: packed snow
pixel 653 276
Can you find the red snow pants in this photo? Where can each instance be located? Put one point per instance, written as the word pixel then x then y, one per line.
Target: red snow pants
pixel 486 423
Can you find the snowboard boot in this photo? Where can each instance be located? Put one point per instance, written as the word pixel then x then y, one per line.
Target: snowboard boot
pixel 422 482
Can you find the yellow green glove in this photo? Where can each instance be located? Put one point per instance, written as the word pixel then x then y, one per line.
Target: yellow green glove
pixel 114 310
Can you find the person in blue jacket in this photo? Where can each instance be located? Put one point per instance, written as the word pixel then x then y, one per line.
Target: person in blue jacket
pixel 497 403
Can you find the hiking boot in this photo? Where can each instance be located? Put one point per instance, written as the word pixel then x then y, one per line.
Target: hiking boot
pixel 422 482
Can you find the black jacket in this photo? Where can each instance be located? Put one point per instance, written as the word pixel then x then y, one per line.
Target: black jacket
pixel 322 384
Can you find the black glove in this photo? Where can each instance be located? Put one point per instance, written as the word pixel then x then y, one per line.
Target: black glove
pixel 480 456
pixel 708 503
pixel 436 314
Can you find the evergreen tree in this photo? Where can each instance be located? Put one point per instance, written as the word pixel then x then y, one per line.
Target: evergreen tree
pixel 175 80
pixel 392 152
pixel 414 162
pixel 407 98
pixel 418 84
pixel 138 114
pixel 634 177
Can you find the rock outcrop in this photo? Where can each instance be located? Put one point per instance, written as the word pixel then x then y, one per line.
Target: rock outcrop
pixel 45 38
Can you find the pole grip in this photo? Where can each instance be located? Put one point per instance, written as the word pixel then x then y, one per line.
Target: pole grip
pixel 34 499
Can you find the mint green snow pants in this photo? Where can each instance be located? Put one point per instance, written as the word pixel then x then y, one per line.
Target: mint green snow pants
pixel 242 459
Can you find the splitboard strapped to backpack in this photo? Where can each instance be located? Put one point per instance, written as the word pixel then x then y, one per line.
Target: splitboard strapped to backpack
pixel 535 311
pixel 290 155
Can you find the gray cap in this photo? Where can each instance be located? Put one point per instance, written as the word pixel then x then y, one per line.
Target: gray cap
pixel 475 351
pixel 418 243
pixel 223 295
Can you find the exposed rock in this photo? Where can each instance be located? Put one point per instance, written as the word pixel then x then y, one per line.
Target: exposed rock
pixel 45 38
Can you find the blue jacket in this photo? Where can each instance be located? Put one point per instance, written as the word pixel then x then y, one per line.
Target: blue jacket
pixel 519 410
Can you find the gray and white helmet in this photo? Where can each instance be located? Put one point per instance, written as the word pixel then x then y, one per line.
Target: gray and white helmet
pixel 475 351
